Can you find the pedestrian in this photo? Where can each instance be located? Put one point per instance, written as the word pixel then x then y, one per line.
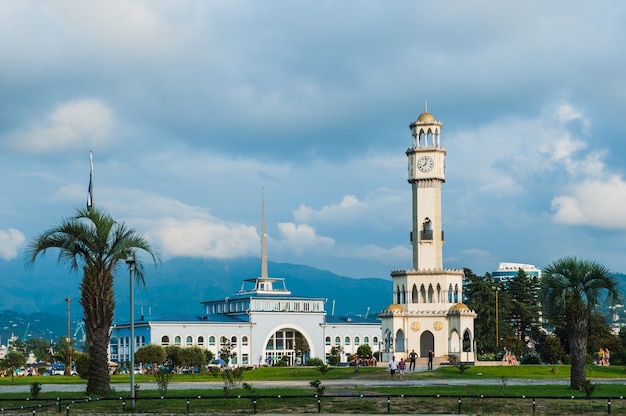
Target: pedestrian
pixel 401 368
pixel 393 367
pixel 607 357
pixel 412 358
pixel 431 355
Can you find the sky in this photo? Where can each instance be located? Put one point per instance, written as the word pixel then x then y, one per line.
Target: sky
pixel 195 109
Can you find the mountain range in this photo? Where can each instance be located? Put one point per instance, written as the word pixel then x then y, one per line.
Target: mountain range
pixel 33 300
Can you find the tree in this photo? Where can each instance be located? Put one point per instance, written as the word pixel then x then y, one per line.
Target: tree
pixel 151 354
pixel 570 291
pixel 172 355
pixel 12 360
pixel 40 349
pixel 92 242
pixel 524 308
pixel 364 350
pixel 192 357
pixel 301 347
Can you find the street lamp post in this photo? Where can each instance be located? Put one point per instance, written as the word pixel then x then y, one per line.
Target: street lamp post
pixel 130 260
pixel 497 318
pixel 68 369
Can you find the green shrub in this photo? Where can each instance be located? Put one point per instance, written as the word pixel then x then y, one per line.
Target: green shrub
pixel 35 388
pixel 315 362
pixel 530 358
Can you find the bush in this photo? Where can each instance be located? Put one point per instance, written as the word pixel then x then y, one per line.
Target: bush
pixel 530 358
pixel 315 362
pixel 35 388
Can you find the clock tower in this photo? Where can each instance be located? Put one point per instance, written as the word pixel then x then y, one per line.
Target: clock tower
pixel 427 312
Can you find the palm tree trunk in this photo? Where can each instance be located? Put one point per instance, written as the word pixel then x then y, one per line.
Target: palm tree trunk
pixel 98 305
pixel 578 334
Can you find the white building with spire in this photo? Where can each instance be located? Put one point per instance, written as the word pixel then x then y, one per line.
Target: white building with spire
pixel 261 323
pixel 427 312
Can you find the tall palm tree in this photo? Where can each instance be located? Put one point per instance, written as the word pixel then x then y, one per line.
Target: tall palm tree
pixel 93 241
pixel 570 291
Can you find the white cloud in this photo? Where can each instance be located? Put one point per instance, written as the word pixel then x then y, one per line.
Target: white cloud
pixel 197 238
pixel 348 205
pixel 10 241
pixel 302 239
pixel 598 203
pixel 83 123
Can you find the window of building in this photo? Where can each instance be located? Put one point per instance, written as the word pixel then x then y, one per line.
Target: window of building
pixel 244 341
pixel 188 341
pixel 375 340
pixel 327 340
pixel 244 359
pixel 337 341
pixel 211 340
pixel 347 341
pixel 165 340
pixel 233 341
pixel 177 340
pixel 366 340
pixel 200 341
pixel 357 341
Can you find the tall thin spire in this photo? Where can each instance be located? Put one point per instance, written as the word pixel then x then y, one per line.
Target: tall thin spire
pixel 263 237
pixel 426 105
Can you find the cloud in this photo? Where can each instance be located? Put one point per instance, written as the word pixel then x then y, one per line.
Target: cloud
pixel 79 123
pixel 197 238
pixel 302 239
pixel 348 205
pixel 10 242
pixel 596 203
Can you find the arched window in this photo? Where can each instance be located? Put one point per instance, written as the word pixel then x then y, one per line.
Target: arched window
pixel 347 340
pixel 337 341
pixel 357 341
pixel 244 341
pixel 200 341
pixel 375 340
pixel 211 340
pixel 165 340
pixel 366 340
pixel 223 341
pixel 327 340
pixel 427 229
pixel 177 340
pixel 233 341
pixel 398 294
pixel 414 294
pixel 188 341
pixel 431 292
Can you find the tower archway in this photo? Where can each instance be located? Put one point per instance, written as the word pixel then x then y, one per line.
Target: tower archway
pixel 427 342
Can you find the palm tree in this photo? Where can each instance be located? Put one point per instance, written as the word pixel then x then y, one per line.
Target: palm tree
pixel 93 241
pixel 570 291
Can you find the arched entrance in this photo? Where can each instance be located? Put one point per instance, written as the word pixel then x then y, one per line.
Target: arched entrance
pixel 400 341
pixel 287 345
pixel 427 342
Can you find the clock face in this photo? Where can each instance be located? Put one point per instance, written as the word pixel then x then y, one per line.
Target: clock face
pixel 425 164
pixel 415 326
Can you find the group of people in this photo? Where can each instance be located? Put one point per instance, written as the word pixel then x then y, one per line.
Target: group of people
pixel 604 356
pixel 399 367
pixel 509 358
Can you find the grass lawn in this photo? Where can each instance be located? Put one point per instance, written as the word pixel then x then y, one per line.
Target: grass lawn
pixel 500 397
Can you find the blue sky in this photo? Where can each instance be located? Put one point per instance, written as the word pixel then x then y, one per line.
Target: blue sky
pixel 192 108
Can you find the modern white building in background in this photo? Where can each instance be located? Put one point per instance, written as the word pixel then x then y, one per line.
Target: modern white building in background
pixel 427 312
pixel 260 324
pixel 507 271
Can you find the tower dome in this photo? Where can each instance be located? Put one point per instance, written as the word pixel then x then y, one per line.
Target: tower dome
pixel 426 117
pixel 460 307
pixel 394 307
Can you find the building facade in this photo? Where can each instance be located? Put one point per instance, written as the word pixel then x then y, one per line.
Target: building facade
pixel 427 312
pixel 507 271
pixel 260 324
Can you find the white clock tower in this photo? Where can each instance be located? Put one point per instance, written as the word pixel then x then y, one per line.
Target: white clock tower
pixel 427 312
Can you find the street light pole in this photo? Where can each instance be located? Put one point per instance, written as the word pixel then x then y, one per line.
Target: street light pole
pixel 68 369
pixel 130 260
pixel 497 336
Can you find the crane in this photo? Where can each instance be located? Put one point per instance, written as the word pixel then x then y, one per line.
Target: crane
pixel 26 332
pixel 80 327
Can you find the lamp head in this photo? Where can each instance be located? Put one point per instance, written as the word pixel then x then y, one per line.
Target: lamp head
pixel 130 257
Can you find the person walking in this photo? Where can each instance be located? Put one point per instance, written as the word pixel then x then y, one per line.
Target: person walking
pixel 393 367
pixel 431 355
pixel 412 358
pixel 401 368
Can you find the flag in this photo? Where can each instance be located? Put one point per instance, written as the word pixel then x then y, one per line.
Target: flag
pixel 90 189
